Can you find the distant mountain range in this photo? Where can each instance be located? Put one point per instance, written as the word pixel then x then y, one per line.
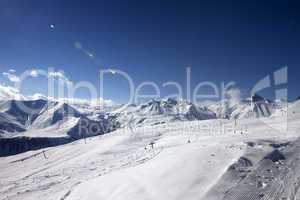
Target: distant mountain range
pixel 51 119
pixel 53 116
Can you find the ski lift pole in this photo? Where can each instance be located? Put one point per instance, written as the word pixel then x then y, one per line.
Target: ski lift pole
pixel 235 124
pixel 44 154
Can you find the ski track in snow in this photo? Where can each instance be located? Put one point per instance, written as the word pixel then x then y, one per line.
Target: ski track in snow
pixel 39 179
pixel 117 166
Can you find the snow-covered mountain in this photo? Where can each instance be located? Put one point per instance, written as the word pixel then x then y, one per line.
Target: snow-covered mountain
pixel 47 114
pixel 44 118
pixel 162 111
pixel 54 114
pixel 249 160
pixel 36 115
pixel 9 125
pixel 25 112
pixel 185 161
pixel 254 107
pixel 33 124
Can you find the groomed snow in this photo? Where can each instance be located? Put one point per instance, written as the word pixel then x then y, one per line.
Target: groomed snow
pixel 186 161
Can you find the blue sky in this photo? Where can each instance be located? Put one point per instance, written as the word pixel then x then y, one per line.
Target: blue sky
pixel 222 41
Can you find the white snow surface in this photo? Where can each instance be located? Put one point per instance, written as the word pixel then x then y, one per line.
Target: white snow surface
pixel 187 161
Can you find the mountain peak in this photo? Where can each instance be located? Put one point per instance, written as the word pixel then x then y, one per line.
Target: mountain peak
pixel 171 101
pixel 257 98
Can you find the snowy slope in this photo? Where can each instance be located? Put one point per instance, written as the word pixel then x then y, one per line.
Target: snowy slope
pixel 52 119
pixel 52 115
pixel 24 111
pixel 122 165
pixel 9 125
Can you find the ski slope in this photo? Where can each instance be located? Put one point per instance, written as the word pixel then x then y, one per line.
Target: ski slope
pixel 187 161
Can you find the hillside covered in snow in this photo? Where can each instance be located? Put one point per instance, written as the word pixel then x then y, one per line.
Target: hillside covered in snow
pixel 57 122
pixel 160 149
pixel 223 158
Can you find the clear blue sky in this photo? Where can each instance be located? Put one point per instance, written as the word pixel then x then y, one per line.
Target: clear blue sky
pixel 240 41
